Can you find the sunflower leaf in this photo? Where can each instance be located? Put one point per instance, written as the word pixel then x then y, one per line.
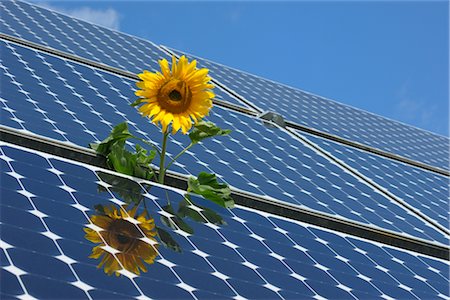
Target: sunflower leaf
pixel 100 209
pixel 134 164
pixel 127 190
pixel 137 102
pixel 121 159
pixel 205 129
pixel 118 135
pixel 167 240
pixel 175 222
pixel 185 209
pixel 206 185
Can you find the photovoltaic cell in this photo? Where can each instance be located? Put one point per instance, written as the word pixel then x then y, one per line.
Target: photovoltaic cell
pixel 85 40
pixel 79 105
pixel 426 191
pixel 256 255
pixel 334 118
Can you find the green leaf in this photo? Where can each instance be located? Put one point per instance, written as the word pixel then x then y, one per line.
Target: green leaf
pixel 203 130
pixel 175 221
pixel 137 102
pixel 121 160
pixel 118 135
pixel 185 209
pixel 212 216
pixel 134 164
pixel 125 189
pixel 100 209
pixel 207 186
pixel 141 156
pixel 167 240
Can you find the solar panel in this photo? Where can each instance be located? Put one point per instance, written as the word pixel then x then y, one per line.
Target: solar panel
pixel 85 40
pixel 257 159
pixel 334 118
pixel 315 218
pixel 426 191
pixel 256 255
pixel 60 32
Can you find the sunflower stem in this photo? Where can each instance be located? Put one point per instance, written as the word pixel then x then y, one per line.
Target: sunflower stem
pixel 179 154
pixel 162 170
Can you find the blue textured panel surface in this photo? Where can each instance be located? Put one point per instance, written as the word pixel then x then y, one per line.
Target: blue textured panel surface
pixel 78 104
pixel 426 191
pixel 256 255
pixel 331 117
pixel 60 32
pixel 85 40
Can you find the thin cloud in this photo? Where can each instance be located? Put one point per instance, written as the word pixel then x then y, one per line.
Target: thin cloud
pixel 412 110
pixel 105 17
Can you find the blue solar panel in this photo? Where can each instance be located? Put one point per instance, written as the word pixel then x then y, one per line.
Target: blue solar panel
pixel 96 43
pixel 47 203
pixel 334 118
pixel 256 255
pixel 78 104
pixel 60 32
pixel 426 191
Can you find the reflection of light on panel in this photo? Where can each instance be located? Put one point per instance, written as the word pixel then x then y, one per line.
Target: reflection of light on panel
pixel 334 118
pixel 424 190
pixel 83 39
pixel 79 104
pixel 256 255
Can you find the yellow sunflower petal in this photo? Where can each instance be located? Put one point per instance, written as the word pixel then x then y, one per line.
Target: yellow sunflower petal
pixel 101 221
pixel 131 254
pixel 178 96
pixel 164 64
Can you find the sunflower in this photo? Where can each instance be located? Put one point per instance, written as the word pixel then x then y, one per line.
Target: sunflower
pixel 125 237
pixel 178 96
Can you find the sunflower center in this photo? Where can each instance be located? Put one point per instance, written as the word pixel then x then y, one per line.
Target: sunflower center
pixel 123 239
pixel 122 235
pixel 175 96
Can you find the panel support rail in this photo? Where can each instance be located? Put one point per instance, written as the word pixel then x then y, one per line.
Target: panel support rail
pixel 272 206
pixel 253 112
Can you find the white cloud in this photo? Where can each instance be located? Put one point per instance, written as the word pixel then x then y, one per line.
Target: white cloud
pixel 105 17
pixel 412 110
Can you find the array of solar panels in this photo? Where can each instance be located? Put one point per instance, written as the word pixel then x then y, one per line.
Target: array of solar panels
pixel 48 201
pixel 132 54
pixel 78 104
pixel 257 255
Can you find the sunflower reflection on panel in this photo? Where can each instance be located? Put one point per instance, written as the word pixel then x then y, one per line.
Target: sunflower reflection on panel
pixel 126 235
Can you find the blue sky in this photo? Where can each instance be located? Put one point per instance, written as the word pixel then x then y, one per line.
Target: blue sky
pixel 390 58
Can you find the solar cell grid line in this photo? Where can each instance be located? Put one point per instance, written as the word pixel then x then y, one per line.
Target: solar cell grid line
pixel 256 159
pixel 102 45
pixel 293 259
pixel 325 115
pixel 425 191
